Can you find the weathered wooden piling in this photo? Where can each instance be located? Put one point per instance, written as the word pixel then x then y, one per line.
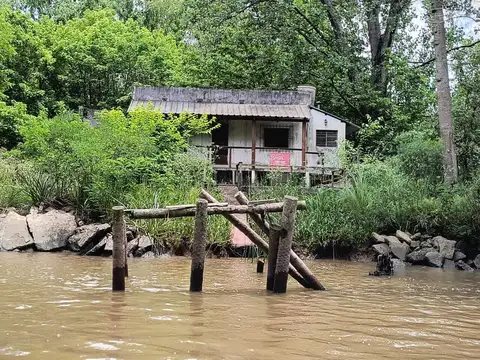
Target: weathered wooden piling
pixel 272 256
pixel 260 266
pixel 119 240
pixel 254 237
pixel 199 244
pixel 295 260
pixel 287 222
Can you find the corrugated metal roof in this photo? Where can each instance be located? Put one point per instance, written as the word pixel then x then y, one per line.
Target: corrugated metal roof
pixel 297 112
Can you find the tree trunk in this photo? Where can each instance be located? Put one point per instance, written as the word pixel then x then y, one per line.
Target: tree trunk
pixel 444 97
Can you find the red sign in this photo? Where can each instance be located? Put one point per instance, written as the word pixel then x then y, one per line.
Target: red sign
pixel 279 160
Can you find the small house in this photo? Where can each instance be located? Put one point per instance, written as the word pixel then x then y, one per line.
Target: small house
pixel 259 131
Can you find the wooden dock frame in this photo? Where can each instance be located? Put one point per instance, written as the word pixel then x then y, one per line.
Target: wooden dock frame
pixel 281 263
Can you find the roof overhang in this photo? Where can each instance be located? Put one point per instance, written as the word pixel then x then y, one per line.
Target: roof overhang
pixel 232 110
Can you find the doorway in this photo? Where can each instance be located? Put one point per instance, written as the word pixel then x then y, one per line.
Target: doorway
pixel 220 142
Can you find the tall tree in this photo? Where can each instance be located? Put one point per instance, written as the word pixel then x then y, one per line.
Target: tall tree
pixel 444 97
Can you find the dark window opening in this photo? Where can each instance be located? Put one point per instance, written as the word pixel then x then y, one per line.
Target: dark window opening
pixel 327 138
pixel 276 137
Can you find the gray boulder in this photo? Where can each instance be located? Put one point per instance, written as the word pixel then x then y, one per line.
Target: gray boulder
pixel 462 266
pixel 434 258
pixel 108 243
pixel 419 256
pixel 458 255
pixel 414 244
pixel 14 232
pixel 398 266
pixel 51 230
pixel 476 261
pixel 445 247
pixel 145 244
pixel 381 249
pixel 416 236
pixel 379 239
pixel 399 249
pixel 85 236
pixel 448 264
pixel 97 249
pixel 132 246
pixel 403 237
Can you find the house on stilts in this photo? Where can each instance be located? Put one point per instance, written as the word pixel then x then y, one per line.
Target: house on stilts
pixel 260 131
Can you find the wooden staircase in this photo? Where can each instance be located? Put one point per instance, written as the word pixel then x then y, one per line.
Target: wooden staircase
pixel 237 238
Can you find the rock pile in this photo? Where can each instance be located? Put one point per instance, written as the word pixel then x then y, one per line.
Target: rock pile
pixel 57 230
pixel 419 249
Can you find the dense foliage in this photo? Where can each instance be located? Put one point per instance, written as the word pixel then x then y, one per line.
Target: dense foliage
pixel 370 60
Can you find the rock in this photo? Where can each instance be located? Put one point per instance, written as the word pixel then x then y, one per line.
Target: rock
pixel 399 250
pixel 97 249
pixel 426 244
pixel 403 237
pixel 381 249
pixel 145 244
pixel 14 232
pixel 434 258
pixel 130 235
pixel 414 244
pixel 476 262
pixel 448 264
pixel 108 243
pixel 398 265
pixel 446 247
pixel 461 246
pixel 425 237
pixel 418 256
pixel 462 266
pixel 85 236
pixel 33 210
pixel 148 255
pixel 51 230
pixel 379 239
pixel 458 255
pixel 416 236
pixel 132 246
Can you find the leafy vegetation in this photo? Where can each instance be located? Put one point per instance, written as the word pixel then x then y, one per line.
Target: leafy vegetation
pixel 371 62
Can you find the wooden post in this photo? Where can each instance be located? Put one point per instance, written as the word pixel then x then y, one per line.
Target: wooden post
pixel 296 262
pixel 260 266
pixel 304 144
pixel 254 142
pixel 199 244
pixel 272 256
pixel 119 239
pixel 285 244
pixel 126 258
pixel 254 237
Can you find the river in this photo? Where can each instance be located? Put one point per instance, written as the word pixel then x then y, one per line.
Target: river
pixel 59 306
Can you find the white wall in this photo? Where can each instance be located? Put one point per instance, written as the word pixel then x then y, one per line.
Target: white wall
pixel 240 134
pixel 322 121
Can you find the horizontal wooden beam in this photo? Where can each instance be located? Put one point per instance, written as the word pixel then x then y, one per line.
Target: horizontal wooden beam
pixel 211 210
pixel 187 206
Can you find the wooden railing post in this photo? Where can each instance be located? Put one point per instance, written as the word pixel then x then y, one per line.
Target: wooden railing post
pixel 260 266
pixel 272 256
pixel 285 244
pixel 199 244
pixel 119 256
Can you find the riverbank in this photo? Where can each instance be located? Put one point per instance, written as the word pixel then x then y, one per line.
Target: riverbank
pixel 58 230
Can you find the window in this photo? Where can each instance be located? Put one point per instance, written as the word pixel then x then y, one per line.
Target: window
pixel 327 138
pixel 276 137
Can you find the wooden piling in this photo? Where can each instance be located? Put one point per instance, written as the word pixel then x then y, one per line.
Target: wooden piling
pixel 287 222
pixel 295 260
pixel 272 256
pixel 199 244
pixel 254 237
pixel 260 266
pixel 119 240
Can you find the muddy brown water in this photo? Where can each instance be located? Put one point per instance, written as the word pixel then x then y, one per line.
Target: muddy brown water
pixel 59 306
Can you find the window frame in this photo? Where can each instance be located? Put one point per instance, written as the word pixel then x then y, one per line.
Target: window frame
pixel 328 143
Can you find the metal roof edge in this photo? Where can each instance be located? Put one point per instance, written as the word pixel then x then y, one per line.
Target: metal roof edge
pixel 335 116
